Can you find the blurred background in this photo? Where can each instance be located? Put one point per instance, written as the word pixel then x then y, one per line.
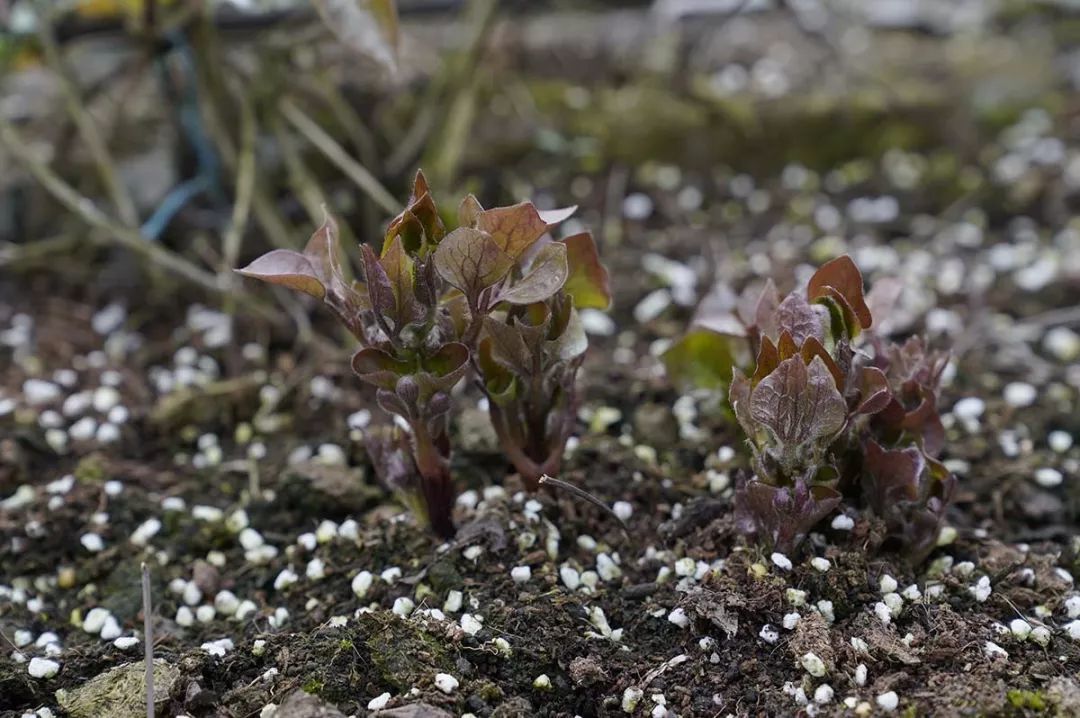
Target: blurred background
pixel 149 145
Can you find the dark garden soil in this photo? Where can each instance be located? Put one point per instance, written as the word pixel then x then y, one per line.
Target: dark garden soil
pixel 232 447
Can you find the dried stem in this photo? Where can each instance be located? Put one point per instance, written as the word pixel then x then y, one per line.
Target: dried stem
pixel 245 185
pixel 582 494
pixel 84 208
pixel 88 131
pixel 148 630
pixel 337 154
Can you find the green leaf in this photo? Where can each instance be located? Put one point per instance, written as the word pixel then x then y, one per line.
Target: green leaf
pixel 498 380
pixel 380 368
pixel 841 280
pixel 399 269
pixel 546 275
pixel 700 359
pixel 572 342
pixel 507 346
pixel 443 369
pixel 289 269
pixel 588 282
pixel 471 261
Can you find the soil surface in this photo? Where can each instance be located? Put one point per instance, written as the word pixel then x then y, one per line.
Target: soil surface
pixel 140 427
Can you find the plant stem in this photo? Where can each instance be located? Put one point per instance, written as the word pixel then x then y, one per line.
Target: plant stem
pixel 436 483
pixel 148 631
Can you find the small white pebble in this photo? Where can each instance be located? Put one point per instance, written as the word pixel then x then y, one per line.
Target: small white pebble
pixel 226 603
pixel 95 620
pixel 768 634
pixel 378 702
pixel 391 575
pixel 570 576
pixel 1072 628
pixel 1048 477
pixel 92 542
pixel 843 522
pixel 192 594
pixel 1020 628
pixel 218 648
pixel 887 584
pixel 38 392
pixel 470 624
pixel 42 668
pixel 820 564
pixel 607 569
pixel 316 569
pixel 781 561
pixel 147 530
pixel 1059 441
pixel 1019 394
pixel 630 698
pixel 883 613
pixel 520 574
pixel 126 642
pixel 813 664
pixel 403 606
pixel 679 618
pixel 623 509
pixel 245 609
pixel 361 583
pixel 111 629
pixel 542 682
pixel 981 590
pixel 205 613
pixel 888 701
pixel 860 674
pixel 446 683
pixel 185 617
pixel 993 651
pixel 823 694
pixel 453 602
pixel 791 620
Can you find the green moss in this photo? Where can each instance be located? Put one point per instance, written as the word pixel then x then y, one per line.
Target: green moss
pixel 1026 700
pixel 404 654
pixel 90 470
pixel 314 686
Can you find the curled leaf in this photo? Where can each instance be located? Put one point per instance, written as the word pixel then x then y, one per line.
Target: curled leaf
pixel 288 269
pixel 874 392
pixel 546 275
pixel 588 282
pixel 442 370
pixel 841 281
pixel 378 367
pixel 572 341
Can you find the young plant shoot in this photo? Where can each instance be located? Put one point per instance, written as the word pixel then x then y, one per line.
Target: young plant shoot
pixel 826 421
pixel 497 296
